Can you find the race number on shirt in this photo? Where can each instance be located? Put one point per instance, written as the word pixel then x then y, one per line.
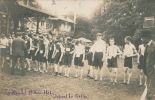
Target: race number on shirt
pixel 41 51
pixel 67 49
pixel 50 48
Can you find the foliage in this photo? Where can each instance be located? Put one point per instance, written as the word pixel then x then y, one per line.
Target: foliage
pixel 83 27
pixel 120 18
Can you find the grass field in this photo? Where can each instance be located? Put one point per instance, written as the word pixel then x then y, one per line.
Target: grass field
pixel 38 86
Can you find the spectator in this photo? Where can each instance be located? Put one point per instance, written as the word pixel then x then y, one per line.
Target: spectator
pixel 18 51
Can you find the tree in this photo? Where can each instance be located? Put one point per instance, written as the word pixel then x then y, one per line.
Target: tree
pixel 83 27
pixel 120 18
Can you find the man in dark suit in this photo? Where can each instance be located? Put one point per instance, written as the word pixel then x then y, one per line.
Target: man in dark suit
pixel 149 63
pixel 18 51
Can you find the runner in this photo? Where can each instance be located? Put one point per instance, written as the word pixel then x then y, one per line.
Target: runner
pixel 52 50
pixel 68 56
pixel 78 57
pixel 113 52
pixel 40 53
pixel 4 43
pixel 35 46
pixel 90 62
pixel 28 42
pixel 46 43
pixel 99 56
pixel 129 52
pixel 140 62
pixel 58 57
pixel 10 49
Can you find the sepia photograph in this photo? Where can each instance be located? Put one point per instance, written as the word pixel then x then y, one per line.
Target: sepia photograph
pixel 77 49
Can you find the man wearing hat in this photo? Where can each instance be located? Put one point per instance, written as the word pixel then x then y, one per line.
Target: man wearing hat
pixel 149 63
pixel 18 51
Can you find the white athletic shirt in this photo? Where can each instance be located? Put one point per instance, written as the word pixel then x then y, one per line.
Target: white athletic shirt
pixel 92 49
pixel 141 49
pixel 112 51
pixel 4 43
pixel 46 42
pixel 99 46
pixel 129 50
pixel 79 49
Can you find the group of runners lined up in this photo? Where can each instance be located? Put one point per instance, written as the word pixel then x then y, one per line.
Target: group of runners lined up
pixel 50 55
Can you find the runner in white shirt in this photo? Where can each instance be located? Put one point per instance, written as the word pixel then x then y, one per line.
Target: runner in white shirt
pixel 129 52
pixel 140 61
pixel 113 52
pixel 78 57
pixel 3 48
pixel 99 55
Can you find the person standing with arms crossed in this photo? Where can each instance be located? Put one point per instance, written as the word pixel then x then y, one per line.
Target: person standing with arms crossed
pixel 99 55
pixel 18 51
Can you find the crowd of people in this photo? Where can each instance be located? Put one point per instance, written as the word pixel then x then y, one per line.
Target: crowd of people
pixel 50 54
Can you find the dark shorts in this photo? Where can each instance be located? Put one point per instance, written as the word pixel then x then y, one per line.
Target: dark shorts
pixel 89 58
pixel 8 51
pixel 33 54
pixel 3 52
pixel 28 54
pixel 128 62
pixel 98 59
pixel 57 58
pixel 141 62
pixel 68 59
pixel 78 61
pixel 50 59
pixel 112 63
pixel 40 57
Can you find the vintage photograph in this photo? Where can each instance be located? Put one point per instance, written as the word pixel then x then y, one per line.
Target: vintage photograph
pixel 77 50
